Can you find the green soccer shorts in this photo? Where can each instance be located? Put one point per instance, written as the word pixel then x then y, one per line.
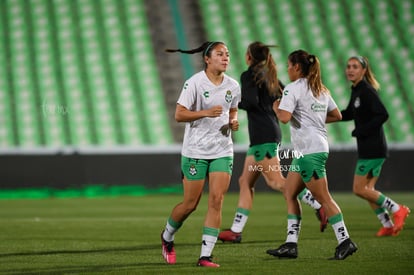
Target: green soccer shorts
pixel 198 169
pixel 310 165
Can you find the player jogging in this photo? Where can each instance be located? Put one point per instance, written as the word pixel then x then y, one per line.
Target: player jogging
pixel 260 88
pixel 208 105
pixel 369 114
pixel 308 106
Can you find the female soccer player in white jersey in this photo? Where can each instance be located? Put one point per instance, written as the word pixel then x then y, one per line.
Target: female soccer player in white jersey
pixel 307 104
pixel 208 105
pixel 260 88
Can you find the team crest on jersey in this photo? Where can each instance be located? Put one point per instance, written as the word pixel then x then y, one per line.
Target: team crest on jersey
pixel 357 102
pixel 192 170
pixel 206 94
pixel 228 96
pixel 285 92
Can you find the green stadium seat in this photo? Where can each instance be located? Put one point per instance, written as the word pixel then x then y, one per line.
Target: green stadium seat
pixel 331 60
pixel 6 113
pixel 84 73
pixel 238 45
pixel 73 76
pixel 124 96
pixel 384 16
pixel 405 21
pixel 262 19
pixel 214 15
pixel 98 78
pixel 28 107
pixel 92 80
pixel 302 24
pixel 53 108
pixel 150 92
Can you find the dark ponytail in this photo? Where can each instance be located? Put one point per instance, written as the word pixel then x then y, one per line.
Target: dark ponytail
pixel 205 48
pixel 310 69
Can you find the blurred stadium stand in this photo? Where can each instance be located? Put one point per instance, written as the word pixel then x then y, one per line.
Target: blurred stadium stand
pixel 333 30
pixel 79 73
pixel 94 73
pixel 90 72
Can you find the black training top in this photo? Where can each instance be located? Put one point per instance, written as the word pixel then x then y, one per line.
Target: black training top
pixel 262 121
pixel 369 114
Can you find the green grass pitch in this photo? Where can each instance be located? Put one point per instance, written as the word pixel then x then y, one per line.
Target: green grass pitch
pixel 121 235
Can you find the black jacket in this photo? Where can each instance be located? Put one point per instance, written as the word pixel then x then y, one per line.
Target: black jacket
pixel 369 115
pixel 262 121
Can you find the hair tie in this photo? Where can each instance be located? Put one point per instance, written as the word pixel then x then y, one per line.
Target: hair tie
pixel 311 58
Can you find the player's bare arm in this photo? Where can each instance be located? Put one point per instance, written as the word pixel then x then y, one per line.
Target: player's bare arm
pixel 182 114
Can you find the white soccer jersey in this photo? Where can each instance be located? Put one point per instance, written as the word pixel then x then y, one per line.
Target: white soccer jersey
pixel 307 126
pixel 203 138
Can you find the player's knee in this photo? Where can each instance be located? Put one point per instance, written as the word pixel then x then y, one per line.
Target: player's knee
pixel 216 202
pixel 245 183
pixel 276 185
pixel 358 191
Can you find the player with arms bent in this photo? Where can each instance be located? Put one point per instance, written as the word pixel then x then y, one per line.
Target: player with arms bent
pixel 369 114
pixel 260 89
pixel 308 106
pixel 208 105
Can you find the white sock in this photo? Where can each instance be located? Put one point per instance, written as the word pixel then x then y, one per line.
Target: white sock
pixel 240 220
pixel 207 245
pixel 339 227
pixel 390 205
pixel 170 229
pixel 307 197
pixel 384 218
pixel 293 229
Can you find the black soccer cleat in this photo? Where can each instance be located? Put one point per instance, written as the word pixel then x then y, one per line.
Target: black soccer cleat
pixel 344 249
pixel 286 250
